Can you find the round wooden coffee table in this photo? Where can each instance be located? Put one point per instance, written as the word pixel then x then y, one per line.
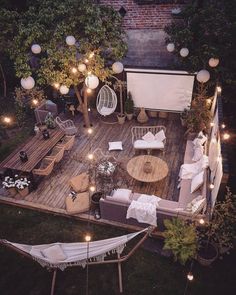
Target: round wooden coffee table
pixel 159 168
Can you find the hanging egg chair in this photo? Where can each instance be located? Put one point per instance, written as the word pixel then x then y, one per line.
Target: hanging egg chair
pixel 106 101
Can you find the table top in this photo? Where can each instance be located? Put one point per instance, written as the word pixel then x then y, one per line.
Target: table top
pixel 36 149
pixel 135 168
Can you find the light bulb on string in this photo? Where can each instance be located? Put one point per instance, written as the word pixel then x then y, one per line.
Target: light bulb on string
pixel 211 186
pixel 212 124
pixel 74 70
pixel 86 61
pixel 201 221
pixel 7 120
pixel 92 188
pixel 91 55
pixel 88 90
pixel 87 237
pixel 219 89
pixel 226 136
pixel 90 156
pixel 35 102
pixel 90 130
pixel 190 276
pixel 223 126
pixel 56 85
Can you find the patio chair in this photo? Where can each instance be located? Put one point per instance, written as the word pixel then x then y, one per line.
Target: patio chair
pixel 46 107
pixel 57 153
pixel 67 126
pixel 46 167
pixel 67 142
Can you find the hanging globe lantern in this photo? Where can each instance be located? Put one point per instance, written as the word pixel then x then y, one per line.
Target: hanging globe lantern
pixel 27 83
pixel 35 48
pixel 81 67
pixel 117 67
pixel 64 89
pixel 92 81
pixel 213 62
pixel 170 47
pixel 203 76
pixel 184 52
pixel 70 40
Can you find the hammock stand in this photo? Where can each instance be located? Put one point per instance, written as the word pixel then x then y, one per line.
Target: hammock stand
pixel 119 259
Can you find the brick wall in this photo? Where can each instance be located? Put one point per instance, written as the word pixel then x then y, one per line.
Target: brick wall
pixel 149 16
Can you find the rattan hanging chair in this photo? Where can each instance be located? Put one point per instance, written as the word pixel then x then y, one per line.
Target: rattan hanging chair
pixel 106 101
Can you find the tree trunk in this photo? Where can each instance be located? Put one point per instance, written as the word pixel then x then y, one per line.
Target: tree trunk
pixel 84 106
pixel 4 82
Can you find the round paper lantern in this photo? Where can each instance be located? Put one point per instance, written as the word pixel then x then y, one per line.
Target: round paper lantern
pixel 184 52
pixel 81 67
pixel 27 83
pixel 70 40
pixel 64 89
pixel 117 67
pixel 203 76
pixel 170 47
pixel 92 81
pixel 35 48
pixel 213 62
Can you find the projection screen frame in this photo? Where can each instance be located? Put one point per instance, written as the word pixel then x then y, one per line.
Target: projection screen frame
pixel 157 71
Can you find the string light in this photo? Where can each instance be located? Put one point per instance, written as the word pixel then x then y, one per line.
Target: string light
pixel 92 188
pixel 87 237
pixel 7 120
pixel 56 85
pixel 89 109
pixel 91 55
pixel 201 221
pixel 212 124
pixel 35 101
pixel 90 156
pixel 223 126
pixel 74 70
pixel 89 90
pixel 90 131
pixel 89 72
pixel 219 89
pixel 226 136
pixel 211 186
pixel 208 101
pixel 190 276
pixel 86 61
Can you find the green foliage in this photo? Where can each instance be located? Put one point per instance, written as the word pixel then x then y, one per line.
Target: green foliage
pixel 207 30
pixel 25 97
pixel 129 104
pixel 181 239
pixel 49 121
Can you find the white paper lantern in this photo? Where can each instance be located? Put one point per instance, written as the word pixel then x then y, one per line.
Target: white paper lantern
pixel 92 81
pixel 170 47
pixel 70 40
pixel 81 67
pixel 35 48
pixel 184 52
pixel 27 83
pixel 213 62
pixel 117 67
pixel 64 89
pixel 203 76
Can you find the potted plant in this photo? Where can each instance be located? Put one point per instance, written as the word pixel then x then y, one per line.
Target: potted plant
pixel 129 106
pixel 183 117
pixel 49 121
pixel 22 185
pixel 180 239
pixel 9 184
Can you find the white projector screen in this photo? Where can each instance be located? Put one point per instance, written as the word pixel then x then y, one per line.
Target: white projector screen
pixel 160 90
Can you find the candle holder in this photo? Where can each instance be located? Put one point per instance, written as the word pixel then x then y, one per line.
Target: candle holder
pixel 46 134
pixel 147 167
pixel 23 156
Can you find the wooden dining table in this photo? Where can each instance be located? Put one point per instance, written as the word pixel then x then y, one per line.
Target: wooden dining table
pixel 36 149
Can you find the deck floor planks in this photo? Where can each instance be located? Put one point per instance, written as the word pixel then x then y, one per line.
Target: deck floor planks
pixel 53 190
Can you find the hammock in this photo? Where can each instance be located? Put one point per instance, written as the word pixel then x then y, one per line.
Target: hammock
pixel 106 101
pixel 75 253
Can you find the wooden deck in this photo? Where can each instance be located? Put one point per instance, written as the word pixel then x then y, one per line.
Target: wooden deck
pixel 52 190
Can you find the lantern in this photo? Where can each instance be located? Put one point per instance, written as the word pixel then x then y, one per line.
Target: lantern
pixel 64 89
pixel 70 40
pixel 117 67
pixel 203 76
pixel 170 47
pixel 184 52
pixel 81 67
pixel 27 83
pixel 213 62
pixel 92 81
pixel 35 48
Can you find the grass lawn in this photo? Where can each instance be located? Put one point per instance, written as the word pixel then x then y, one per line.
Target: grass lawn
pixel 143 273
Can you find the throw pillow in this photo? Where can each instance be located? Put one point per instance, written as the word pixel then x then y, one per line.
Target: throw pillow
pixel 48 105
pixel 198 153
pixel 122 195
pixel 160 136
pixel 151 199
pixel 148 137
pixel 197 181
pixel 36 252
pixel 201 138
pixel 54 253
pixel 193 202
pixel 198 206
pixel 115 146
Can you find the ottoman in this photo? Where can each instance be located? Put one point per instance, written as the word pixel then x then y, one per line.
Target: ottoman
pixel 80 183
pixel 78 204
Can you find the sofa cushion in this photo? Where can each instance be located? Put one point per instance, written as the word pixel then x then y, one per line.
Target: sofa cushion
pixel 142 144
pixel 54 253
pixel 148 137
pixel 151 199
pixel 201 138
pixel 197 182
pixel 160 136
pixel 121 195
pixel 198 153
pixel 196 205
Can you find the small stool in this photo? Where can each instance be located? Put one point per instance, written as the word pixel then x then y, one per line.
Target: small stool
pixel 78 203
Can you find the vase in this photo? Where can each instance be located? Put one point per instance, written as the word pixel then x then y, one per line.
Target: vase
pixel 24 192
pixel 142 116
pixel 12 191
pixel 129 116
pixel 121 119
pixel 207 254
pixel 147 167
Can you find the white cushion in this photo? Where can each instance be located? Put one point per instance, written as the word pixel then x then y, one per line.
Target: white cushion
pixel 36 252
pixel 201 138
pixel 198 153
pixel 142 144
pixel 54 253
pixel 121 195
pixel 151 199
pixel 115 145
pixel 193 202
pixel 148 137
pixel 197 181
pixel 198 206
pixel 105 111
pixel 160 136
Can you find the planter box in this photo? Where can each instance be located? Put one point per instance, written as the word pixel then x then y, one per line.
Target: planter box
pixel 24 192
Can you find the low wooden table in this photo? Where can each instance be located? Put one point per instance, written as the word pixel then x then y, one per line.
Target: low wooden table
pixel 135 168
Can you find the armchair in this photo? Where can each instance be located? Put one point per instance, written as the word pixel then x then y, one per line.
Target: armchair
pixel 42 111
